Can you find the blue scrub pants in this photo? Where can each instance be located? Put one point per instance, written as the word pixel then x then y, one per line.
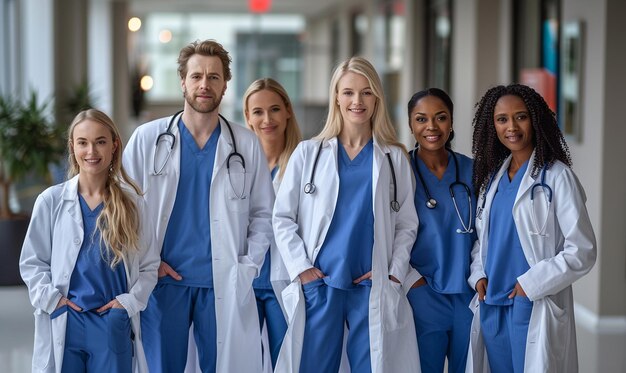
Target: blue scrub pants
pixel 165 327
pixel 328 310
pixel 271 313
pixel 97 342
pixel 442 325
pixel 505 329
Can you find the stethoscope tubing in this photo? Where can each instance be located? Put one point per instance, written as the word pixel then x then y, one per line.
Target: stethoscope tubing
pixel 309 188
pixel 168 133
pixel 541 184
pixel 431 203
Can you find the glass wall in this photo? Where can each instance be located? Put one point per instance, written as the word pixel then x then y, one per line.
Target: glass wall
pixel 260 46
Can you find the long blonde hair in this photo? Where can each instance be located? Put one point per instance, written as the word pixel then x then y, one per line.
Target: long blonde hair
pixel 382 128
pixel 292 131
pixel 119 220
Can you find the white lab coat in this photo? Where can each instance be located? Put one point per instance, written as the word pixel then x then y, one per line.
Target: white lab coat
pixel 301 222
pixel 566 252
pixel 279 277
pixel 240 229
pixel 49 254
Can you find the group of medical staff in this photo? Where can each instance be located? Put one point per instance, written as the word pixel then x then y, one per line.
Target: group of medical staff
pixel 255 251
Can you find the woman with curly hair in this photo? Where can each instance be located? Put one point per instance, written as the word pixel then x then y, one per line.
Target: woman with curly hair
pixel 534 236
pixel 88 259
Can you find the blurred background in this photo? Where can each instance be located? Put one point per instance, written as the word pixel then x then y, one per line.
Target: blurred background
pixel 59 56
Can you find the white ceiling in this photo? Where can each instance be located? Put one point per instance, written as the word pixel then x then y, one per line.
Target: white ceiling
pixel 302 7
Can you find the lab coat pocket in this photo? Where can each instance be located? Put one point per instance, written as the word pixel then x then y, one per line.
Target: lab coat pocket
pixel 245 276
pixel 118 329
pixel 42 354
pixel 236 187
pixel 396 308
pixel 291 295
pixel 557 329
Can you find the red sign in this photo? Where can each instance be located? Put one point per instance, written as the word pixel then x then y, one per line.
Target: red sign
pixel 259 6
pixel 542 81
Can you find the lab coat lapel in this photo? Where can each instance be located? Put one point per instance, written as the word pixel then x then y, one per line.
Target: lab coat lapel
pixel 224 148
pixel 70 196
pixel 377 161
pixel 173 165
pixel 527 181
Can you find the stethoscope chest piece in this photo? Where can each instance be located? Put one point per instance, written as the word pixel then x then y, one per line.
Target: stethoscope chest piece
pixel 309 188
pixel 431 203
pixel 395 205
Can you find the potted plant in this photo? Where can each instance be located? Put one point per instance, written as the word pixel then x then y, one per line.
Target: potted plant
pixel 29 142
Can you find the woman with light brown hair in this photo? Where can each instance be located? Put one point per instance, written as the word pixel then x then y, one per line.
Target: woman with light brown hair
pixel 88 259
pixel 269 113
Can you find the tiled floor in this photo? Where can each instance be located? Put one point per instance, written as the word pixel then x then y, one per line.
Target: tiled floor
pixel 604 353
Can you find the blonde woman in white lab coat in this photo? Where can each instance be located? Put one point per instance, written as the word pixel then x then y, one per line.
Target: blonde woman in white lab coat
pixel 346 266
pixel 534 237
pixel 88 259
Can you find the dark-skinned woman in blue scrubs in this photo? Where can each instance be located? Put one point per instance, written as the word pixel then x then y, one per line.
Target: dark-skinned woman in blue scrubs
pixel 440 258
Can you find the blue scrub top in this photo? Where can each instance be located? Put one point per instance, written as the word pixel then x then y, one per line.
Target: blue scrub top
pixel 187 243
pixel 440 254
pixel 346 253
pixel 93 283
pixel 263 281
pixel 505 257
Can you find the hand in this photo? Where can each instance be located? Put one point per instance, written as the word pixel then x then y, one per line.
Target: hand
pixel 310 274
pixel 366 276
pixel 517 291
pixel 66 302
pixel 112 304
pixel 419 283
pixel 166 270
pixel 481 288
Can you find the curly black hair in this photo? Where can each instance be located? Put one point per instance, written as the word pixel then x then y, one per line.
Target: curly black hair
pixel 489 153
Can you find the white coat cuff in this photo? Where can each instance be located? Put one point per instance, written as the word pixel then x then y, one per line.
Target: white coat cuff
pixel 474 277
pixel 127 301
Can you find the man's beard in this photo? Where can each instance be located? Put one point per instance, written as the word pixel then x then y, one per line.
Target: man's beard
pixel 205 107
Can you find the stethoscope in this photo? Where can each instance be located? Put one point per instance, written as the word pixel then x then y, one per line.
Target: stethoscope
pixel 309 188
pixel 547 193
pixel 431 203
pixel 168 137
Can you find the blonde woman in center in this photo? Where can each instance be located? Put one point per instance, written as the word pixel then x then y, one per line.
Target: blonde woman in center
pixel 345 266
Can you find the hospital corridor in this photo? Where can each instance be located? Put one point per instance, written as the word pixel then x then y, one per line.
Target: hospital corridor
pixel 126 58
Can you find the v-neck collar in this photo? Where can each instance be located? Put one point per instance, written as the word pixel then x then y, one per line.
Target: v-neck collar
pixel 359 158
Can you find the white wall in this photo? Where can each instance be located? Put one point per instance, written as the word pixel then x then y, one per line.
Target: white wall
pixel 100 51
pixel 37 47
pixel 599 156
